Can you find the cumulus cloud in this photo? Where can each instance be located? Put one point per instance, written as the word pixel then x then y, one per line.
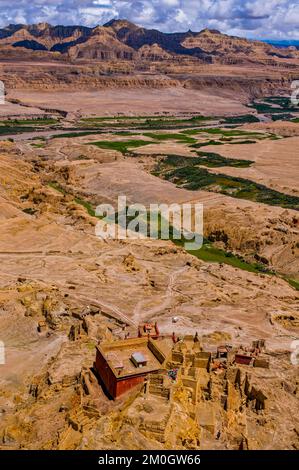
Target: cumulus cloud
pixel 251 18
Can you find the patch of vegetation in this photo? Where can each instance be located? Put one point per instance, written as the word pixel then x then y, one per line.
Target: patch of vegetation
pixel 38 146
pixel 125 133
pixel 6 130
pixel 145 122
pixel 243 142
pixel 30 211
pixel 282 101
pixel 232 132
pixel 207 253
pixel 222 141
pixel 41 137
pixel 211 254
pixel 70 135
pixel 18 126
pixel 121 146
pixel 282 117
pixel 118 118
pixel 194 178
pixel 208 159
pixel 211 159
pixel 207 143
pixel 82 202
pixel 273 105
pixel 33 122
pixel 190 131
pixel 87 205
pixel 57 187
pixel 293 283
pixel 178 137
pixel 245 119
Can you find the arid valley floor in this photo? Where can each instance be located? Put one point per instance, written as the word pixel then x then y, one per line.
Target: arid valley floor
pixel 72 139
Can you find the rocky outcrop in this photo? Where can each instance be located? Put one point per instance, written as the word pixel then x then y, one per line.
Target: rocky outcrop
pixel 102 45
pixel 234 50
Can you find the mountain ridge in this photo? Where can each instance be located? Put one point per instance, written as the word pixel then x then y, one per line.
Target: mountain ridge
pixel 123 40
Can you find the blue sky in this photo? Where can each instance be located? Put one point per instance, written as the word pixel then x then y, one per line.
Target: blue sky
pixel 251 18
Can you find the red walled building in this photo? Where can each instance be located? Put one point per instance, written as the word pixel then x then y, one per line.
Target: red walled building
pixel 117 367
pixel 149 329
pixel 243 359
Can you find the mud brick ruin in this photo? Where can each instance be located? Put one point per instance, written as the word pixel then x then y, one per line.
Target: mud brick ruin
pixel 189 381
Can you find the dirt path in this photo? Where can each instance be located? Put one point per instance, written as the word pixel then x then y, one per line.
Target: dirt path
pixel 140 311
pixel 110 309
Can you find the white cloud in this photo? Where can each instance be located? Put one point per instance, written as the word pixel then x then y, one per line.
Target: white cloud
pixel 181 17
pixel 102 3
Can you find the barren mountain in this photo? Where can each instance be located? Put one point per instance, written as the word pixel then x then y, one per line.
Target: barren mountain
pixel 102 45
pixel 43 36
pixel 120 39
pixel 231 49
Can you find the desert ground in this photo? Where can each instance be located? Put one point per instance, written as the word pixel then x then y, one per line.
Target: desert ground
pixel 138 102
pixel 173 138
pixel 276 162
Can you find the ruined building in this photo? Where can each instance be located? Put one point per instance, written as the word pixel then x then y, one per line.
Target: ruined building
pixel 121 365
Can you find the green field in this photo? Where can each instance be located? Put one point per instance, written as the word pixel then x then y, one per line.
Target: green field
pixel 7 130
pixel 145 122
pixel 121 146
pixel 19 126
pixel 32 122
pixel 165 122
pixel 244 119
pixel 232 133
pixel 70 135
pixel 185 139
